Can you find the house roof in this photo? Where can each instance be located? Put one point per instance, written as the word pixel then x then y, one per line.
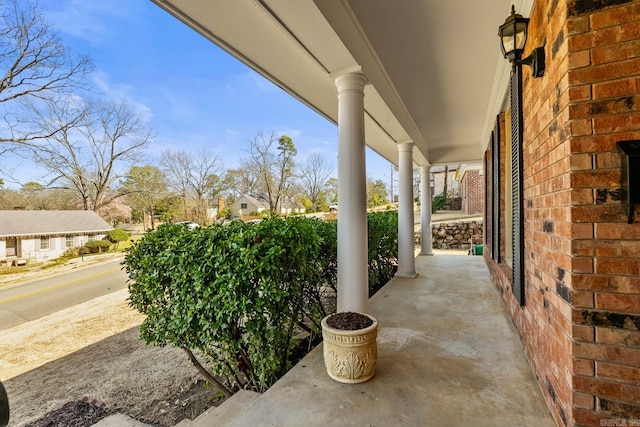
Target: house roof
pixel 256 200
pixel 31 223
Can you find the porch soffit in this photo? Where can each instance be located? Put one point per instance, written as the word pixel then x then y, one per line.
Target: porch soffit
pixel 434 66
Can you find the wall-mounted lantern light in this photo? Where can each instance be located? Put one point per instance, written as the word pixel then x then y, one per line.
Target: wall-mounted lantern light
pixel 513 36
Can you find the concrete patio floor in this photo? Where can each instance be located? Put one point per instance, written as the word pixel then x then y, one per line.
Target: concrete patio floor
pixel 447 356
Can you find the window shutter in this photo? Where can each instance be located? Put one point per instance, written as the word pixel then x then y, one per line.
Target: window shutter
pixel 488 194
pixel 495 173
pixel 516 176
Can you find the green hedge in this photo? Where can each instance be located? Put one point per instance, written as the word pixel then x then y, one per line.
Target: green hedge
pixel 238 293
pixel 97 246
pixel 383 248
pixel 248 297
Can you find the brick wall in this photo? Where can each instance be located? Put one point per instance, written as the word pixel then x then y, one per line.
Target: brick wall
pixel 581 323
pixel 471 191
pixel 604 107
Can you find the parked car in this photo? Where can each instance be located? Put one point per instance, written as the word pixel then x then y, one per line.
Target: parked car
pixel 333 207
pixel 192 225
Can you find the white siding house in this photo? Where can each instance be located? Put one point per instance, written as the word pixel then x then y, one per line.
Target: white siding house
pixel 43 235
pixel 249 204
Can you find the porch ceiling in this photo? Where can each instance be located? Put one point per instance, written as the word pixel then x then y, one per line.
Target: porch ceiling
pixel 435 70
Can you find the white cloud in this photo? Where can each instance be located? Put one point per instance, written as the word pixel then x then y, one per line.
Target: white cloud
pixel 249 82
pixel 121 93
pixel 232 134
pixel 292 133
pixel 86 19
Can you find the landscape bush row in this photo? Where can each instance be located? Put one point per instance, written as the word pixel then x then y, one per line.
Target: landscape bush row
pixel 245 301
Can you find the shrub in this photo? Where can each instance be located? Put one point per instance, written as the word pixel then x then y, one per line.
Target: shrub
pixel 117 235
pixel 383 248
pixel 241 293
pixel 238 294
pixel 438 202
pixel 97 246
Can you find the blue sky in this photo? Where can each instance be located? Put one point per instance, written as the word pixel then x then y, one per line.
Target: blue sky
pixel 193 93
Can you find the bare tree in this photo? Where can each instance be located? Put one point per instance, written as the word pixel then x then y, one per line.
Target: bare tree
pixel 237 182
pixel 194 176
pixel 314 173
pixel 86 147
pixel 273 160
pixel 34 65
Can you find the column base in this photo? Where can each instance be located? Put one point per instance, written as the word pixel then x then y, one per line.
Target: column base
pixel 406 275
pixel 426 254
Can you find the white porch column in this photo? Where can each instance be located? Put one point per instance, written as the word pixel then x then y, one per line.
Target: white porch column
pixel 406 242
pixel 353 279
pixel 426 239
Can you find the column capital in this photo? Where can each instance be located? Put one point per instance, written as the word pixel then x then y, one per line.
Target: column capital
pixel 405 146
pixel 353 80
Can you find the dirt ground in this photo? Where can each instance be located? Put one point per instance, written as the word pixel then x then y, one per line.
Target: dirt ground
pixel 91 351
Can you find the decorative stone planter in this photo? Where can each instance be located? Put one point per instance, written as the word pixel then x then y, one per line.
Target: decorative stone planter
pixel 350 355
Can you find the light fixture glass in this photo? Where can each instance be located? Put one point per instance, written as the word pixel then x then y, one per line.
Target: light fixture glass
pixel 513 35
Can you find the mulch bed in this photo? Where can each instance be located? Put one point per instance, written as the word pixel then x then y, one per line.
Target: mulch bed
pixel 79 413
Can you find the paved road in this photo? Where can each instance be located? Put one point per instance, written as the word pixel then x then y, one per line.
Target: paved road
pixel 33 300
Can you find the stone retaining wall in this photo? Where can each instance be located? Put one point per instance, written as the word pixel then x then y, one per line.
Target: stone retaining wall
pixel 456 235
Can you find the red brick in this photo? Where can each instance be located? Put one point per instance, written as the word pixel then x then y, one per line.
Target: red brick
pixel 584 367
pixel 581 161
pixel 608 160
pixel 606 252
pixel 621 337
pixel 580 127
pixel 624 374
pixel 577 25
pixel 595 143
pixel 595 178
pixel 582 196
pixel 615 17
pixel 617 266
pixel 617 231
pixel 629 249
pixel 601 213
pixel 617 123
pixel 630 31
pixel 585 417
pixel 604 72
pixel 580 93
pixel 582 231
pixel 607 353
pixel 583 332
pixel 582 265
pixel 615 88
pixel 581 42
pixel 606 389
pixel 584 401
pixel 617 302
pixel 615 53
pixel 606 283
pixel 579 59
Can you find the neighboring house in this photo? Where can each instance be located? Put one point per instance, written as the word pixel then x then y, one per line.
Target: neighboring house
pixel 442 176
pixel 42 235
pixel 247 204
pixel 257 204
pixel 471 178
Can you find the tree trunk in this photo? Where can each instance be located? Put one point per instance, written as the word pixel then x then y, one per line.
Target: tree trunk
pixel 206 373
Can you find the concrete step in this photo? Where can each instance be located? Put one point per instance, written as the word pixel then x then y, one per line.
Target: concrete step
pixel 119 420
pixel 224 414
